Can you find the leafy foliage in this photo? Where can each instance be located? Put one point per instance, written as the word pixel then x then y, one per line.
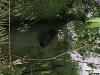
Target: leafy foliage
pixel 73 33
pixel 93 23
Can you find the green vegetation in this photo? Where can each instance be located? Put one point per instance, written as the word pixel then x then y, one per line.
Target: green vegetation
pixel 43 32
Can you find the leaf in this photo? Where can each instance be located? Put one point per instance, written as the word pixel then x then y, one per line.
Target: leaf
pixel 93 25
pixel 94 20
pixel 2 43
pixel 17 62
